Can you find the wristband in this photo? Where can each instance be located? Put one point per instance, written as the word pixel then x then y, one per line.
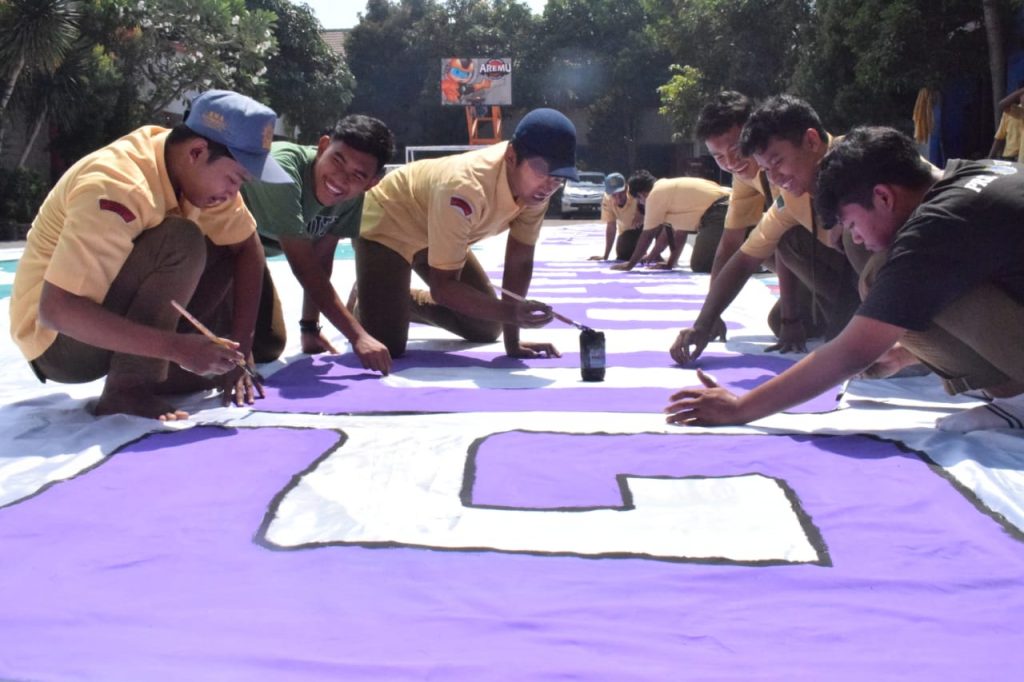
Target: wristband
pixel 309 326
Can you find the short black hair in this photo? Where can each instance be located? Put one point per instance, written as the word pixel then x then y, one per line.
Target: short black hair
pixel 721 113
pixel 368 135
pixel 867 156
pixel 782 116
pixel 182 133
pixel 640 181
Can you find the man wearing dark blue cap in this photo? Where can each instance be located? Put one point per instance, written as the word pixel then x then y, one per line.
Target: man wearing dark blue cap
pixel 425 216
pixel 152 217
pixel 623 222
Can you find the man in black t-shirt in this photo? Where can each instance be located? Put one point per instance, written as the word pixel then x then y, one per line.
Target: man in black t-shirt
pixel 946 283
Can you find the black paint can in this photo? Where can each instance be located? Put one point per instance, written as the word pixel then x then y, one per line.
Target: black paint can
pixel 592 355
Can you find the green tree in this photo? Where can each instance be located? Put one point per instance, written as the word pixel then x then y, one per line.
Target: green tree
pixel 396 50
pixel 867 59
pixel 55 97
pixel 169 47
pixel 598 57
pixel 34 35
pixel 307 82
pixel 681 99
pixel 746 45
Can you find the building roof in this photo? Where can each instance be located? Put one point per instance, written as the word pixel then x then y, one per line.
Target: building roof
pixel 335 39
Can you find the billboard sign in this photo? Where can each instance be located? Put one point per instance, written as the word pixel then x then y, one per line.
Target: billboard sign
pixel 477 80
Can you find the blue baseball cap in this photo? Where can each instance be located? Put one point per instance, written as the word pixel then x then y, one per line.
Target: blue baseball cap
pixel 244 126
pixel 614 183
pixel 550 135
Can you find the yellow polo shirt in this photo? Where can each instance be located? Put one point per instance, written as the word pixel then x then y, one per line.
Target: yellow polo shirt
pixel 624 216
pixel 1011 126
pixel 787 212
pixel 445 205
pixel 681 202
pixel 746 203
pixel 86 227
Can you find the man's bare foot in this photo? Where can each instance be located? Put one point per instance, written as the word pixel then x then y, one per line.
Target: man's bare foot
pixel 138 401
pixel 891 362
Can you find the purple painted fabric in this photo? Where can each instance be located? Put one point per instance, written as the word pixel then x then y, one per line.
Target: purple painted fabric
pixel 339 384
pixel 150 567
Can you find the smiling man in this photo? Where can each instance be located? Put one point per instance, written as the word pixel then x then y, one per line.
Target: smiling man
pixel 152 217
pixel 946 282
pixel 425 216
pixel 786 138
pixel 305 220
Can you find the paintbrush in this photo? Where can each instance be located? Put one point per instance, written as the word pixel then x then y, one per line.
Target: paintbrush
pixel 557 316
pixel 213 337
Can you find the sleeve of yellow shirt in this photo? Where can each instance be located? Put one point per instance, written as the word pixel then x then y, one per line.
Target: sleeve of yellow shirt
pixel 1001 132
pixel 227 223
pixel 606 208
pixel 101 223
pixel 763 241
pixel 746 206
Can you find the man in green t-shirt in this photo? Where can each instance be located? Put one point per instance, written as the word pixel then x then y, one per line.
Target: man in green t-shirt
pixel 305 221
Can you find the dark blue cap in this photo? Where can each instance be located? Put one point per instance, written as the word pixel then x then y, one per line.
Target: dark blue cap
pixel 614 183
pixel 550 135
pixel 244 126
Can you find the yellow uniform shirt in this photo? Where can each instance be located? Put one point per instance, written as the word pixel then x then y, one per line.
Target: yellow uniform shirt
pixel 85 229
pixel 445 205
pixel 787 212
pixel 746 203
pixel 624 216
pixel 1011 127
pixel 680 202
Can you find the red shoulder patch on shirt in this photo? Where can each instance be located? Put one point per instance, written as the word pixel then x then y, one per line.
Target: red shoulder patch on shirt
pixel 462 206
pixel 119 209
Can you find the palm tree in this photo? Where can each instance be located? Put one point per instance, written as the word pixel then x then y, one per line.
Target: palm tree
pixel 34 35
pixel 54 98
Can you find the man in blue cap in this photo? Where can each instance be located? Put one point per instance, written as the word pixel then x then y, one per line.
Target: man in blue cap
pixel 623 222
pixel 426 215
pixel 154 216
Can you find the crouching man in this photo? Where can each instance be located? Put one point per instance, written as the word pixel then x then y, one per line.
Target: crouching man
pixel 945 286
pixel 152 217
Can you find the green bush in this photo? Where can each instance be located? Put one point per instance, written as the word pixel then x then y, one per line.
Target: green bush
pixel 21 193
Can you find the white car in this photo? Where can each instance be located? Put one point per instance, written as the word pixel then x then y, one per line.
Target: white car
pixel 584 194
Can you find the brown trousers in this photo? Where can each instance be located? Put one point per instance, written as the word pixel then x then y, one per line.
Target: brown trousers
pixel 709 233
pixel 386 305
pixel 830 274
pixel 170 261
pixel 975 342
pixel 270 336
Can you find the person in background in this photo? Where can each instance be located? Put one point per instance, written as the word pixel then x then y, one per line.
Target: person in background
pixel 622 221
pixel 1006 143
pixel 685 205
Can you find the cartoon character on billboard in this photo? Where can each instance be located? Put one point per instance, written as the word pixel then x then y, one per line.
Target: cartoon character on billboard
pixel 456 85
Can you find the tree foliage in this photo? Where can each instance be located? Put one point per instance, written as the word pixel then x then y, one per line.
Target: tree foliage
pixel 34 37
pixel 681 99
pixel 867 59
pixel 306 81
pixel 396 50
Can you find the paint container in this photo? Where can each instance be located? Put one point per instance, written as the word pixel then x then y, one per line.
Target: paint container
pixel 592 354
